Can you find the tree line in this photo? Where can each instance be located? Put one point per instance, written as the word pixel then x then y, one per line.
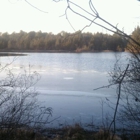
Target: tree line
pixel 63 41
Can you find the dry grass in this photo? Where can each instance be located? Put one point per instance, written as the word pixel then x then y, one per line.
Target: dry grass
pixel 67 133
pixel 78 133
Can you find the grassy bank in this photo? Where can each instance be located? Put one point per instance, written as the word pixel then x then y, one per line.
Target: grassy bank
pixel 67 133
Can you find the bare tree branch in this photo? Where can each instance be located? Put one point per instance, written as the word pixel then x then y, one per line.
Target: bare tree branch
pixel 35 6
pixel 118 99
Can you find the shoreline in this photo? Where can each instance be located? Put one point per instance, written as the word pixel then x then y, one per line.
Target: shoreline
pixel 53 51
pixel 4 53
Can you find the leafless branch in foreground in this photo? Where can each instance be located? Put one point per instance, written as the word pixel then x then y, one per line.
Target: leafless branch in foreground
pixel 35 6
pixel 19 106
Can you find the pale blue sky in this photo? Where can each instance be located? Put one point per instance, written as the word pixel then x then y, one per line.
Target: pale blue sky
pixel 17 15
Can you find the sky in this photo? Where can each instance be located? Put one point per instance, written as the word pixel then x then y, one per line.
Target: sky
pixel 16 15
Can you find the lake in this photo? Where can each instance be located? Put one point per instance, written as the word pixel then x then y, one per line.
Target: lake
pixel 68 81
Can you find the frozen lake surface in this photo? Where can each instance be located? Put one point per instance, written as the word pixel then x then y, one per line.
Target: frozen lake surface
pixel 68 81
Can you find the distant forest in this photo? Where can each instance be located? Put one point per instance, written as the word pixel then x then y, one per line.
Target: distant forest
pixel 63 41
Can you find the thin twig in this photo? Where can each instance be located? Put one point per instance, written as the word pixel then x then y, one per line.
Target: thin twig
pixel 35 7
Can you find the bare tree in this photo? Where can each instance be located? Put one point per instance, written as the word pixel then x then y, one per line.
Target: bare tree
pixel 19 107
